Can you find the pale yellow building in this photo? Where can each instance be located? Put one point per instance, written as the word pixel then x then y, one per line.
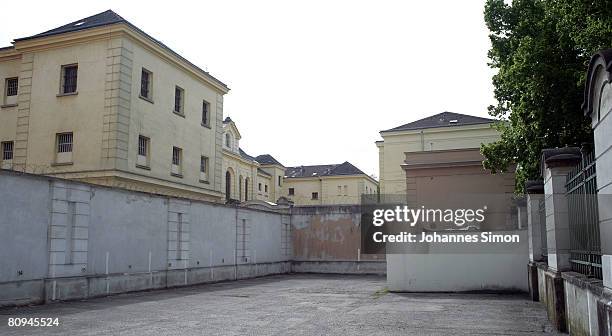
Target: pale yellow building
pixel 442 132
pixel 99 100
pixel 327 184
pixel 246 177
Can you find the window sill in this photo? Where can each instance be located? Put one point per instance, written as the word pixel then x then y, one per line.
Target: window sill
pixel 205 125
pixel 8 105
pixel 177 175
pixel 59 164
pixel 179 114
pixel 143 167
pixel 67 94
pixel 146 99
pixel 204 181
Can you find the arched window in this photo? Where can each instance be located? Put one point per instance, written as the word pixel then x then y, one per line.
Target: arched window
pixel 246 189
pixel 228 185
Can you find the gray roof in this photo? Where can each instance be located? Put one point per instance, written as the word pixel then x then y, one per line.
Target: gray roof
pixel 244 155
pixel 345 168
pixel 261 171
pixel 108 18
pixel 267 159
pixel 444 119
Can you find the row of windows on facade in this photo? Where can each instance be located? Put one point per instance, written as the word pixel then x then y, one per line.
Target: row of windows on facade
pixel 64 142
pixel 315 195
pixel 68 86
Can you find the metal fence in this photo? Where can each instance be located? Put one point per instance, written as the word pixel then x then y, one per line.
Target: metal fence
pixel 581 186
pixel 543 234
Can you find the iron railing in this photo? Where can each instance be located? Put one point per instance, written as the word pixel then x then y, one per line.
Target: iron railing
pixel 543 234
pixel 585 246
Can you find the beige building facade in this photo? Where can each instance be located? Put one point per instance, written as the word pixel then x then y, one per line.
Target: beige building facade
pixel 246 177
pixel 328 184
pixel 101 101
pixel 445 131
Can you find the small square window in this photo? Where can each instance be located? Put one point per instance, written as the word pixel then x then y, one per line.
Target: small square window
pixel 143 152
pixel 179 100
pixel 203 169
pixel 177 160
pixel 11 86
pixel 69 79
pixel 291 191
pixel 7 150
pixel 64 142
pixel 146 84
pixel 205 113
pixel 315 195
pixel 64 147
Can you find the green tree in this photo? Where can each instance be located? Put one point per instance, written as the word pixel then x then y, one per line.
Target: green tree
pixel 541 50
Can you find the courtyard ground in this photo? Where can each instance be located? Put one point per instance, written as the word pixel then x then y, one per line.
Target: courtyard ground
pixel 289 305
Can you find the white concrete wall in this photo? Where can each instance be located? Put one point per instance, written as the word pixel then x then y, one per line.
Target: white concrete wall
pixel 459 267
pixel 77 240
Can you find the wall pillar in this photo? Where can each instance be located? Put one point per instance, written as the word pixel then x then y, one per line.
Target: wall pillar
pixel 534 190
pixel 557 164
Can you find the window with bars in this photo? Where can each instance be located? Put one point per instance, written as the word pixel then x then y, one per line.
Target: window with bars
pixel 176 156
pixel 64 142
pixel 7 150
pixel 145 83
pixel 143 145
pixel 69 78
pixel 203 164
pixel 179 98
pixel 205 113
pixel 315 195
pixel 11 86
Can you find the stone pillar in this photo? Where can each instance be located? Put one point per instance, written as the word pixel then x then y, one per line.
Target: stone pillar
pixel 557 164
pixel 534 190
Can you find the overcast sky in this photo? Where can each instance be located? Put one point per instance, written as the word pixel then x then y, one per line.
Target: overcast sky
pixel 312 82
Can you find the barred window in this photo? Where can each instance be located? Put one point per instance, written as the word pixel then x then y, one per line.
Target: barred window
pixel 69 78
pixel 205 113
pixel 11 86
pixel 7 150
pixel 176 156
pixel 145 83
pixel 143 145
pixel 64 142
pixel 178 99
pixel 315 195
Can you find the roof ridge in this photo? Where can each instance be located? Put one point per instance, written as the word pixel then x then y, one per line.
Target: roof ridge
pixel 442 119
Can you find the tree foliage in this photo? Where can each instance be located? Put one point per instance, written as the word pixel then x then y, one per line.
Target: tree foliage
pixel 541 50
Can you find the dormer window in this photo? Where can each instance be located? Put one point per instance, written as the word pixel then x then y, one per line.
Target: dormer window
pixel 228 140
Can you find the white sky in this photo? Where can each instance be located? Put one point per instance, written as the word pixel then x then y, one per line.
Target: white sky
pixel 312 82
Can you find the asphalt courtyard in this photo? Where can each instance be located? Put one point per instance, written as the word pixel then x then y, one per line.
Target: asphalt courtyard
pixel 288 305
